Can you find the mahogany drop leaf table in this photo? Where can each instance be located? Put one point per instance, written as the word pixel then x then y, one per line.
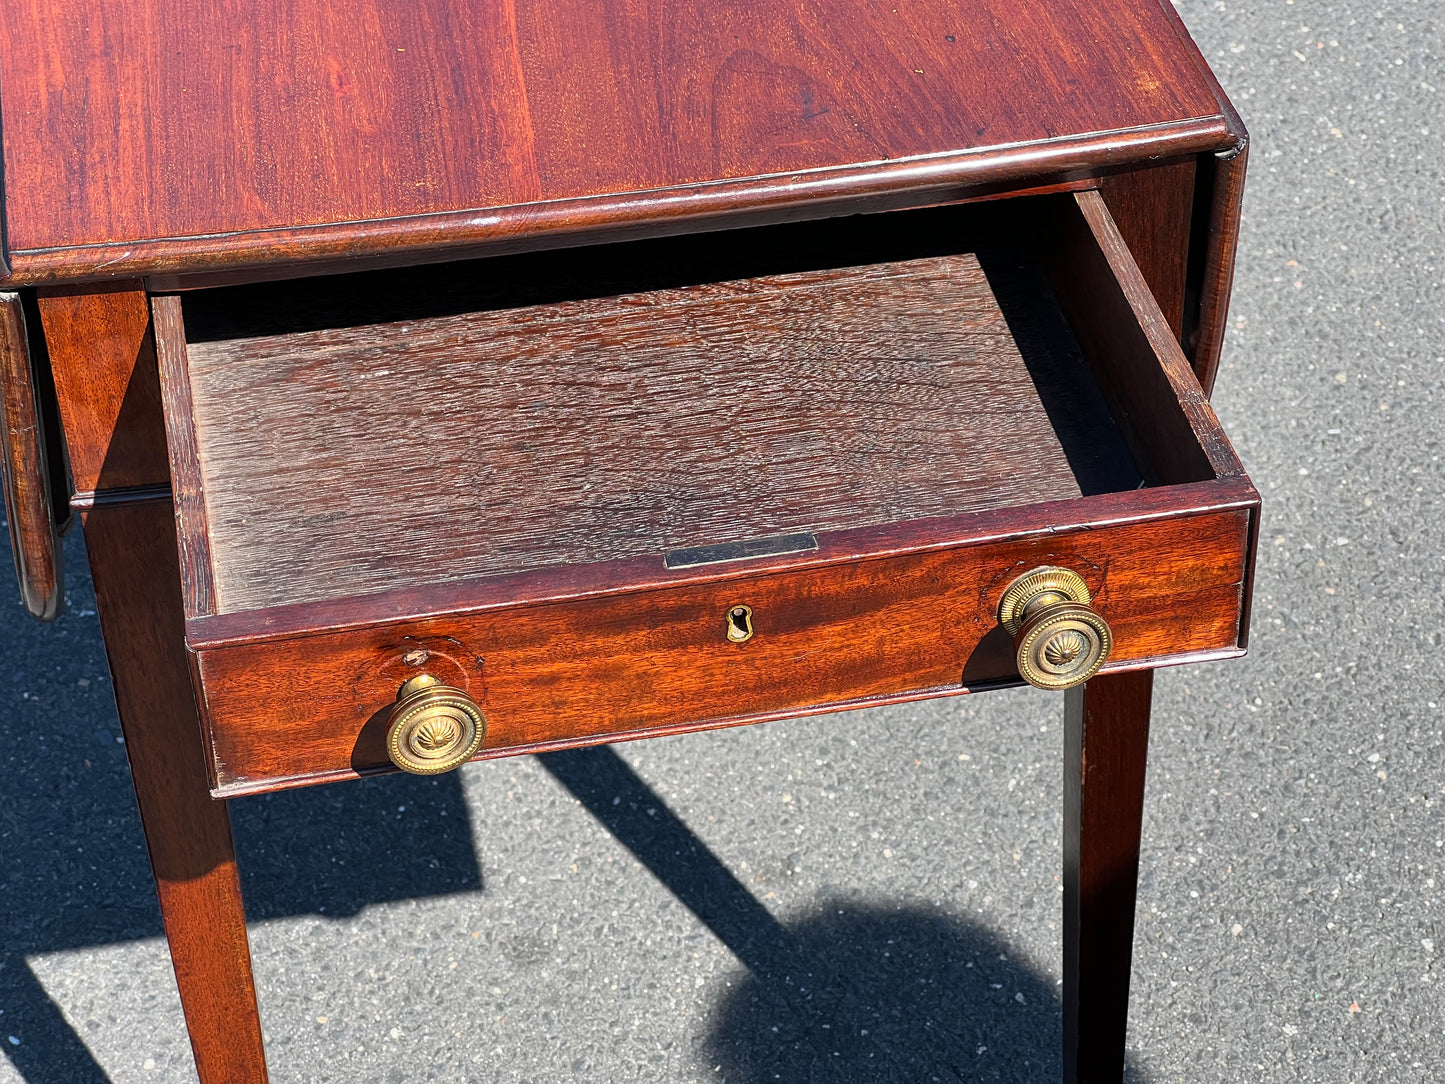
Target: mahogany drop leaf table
pixel 439 383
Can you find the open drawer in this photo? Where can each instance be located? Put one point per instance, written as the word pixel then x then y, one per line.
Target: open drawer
pixel 675 484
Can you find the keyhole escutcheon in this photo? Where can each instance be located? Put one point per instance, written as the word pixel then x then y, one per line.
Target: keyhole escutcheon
pixel 740 624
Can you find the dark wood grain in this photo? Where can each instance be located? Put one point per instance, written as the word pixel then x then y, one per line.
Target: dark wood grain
pixel 283 308
pixel 1137 359
pixel 614 427
pixel 1221 177
pixel 56 456
pixel 291 132
pixel 205 143
pixel 918 624
pixel 1189 50
pixel 187 493
pixel 102 356
pixel 24 469
pixel 133 561
pixel 1217 276
pixel 1106 740
pixel 578 243
pixel 569 582
pixel 549 600
pixel 1153 208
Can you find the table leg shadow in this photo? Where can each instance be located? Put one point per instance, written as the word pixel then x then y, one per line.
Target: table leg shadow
pixel 73 868
pixel 853 991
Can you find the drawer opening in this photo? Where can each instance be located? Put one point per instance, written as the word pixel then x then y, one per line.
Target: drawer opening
pixel 669 485
pixel 359 434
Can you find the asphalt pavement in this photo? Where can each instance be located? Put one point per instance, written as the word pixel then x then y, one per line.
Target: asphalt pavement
pixel 875 895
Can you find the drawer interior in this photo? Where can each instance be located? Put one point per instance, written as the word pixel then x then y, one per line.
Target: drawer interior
pixel 550 480
pixel 360 434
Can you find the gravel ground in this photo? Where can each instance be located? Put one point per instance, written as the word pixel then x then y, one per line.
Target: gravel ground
pixel 877 894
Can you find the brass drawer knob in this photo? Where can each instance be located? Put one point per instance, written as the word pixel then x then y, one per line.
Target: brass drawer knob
pixel 1059 639
pixel 433 728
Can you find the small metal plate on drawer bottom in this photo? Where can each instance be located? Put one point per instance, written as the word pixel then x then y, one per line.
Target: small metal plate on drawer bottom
pixel 772 546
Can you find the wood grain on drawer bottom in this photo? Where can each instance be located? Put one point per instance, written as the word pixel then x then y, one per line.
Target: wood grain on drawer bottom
pixel 286 712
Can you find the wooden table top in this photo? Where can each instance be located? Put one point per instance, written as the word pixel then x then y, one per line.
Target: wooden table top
pixel 168 136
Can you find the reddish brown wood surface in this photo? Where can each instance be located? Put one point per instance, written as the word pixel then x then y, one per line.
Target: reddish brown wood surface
pixel 24 471
pixel 1217 274
pixel 616 426
pixel 583 431
pixel 133 561
pixel 187 495
pixel 1153 208
pixel 393 259
pixel 1106 739
pixel 1137 358
pixel 159 135
pixel 570 582
pixel 1190 49
pixel 597 668
pixel 103 359
pixel 1216 233
pixel 877 611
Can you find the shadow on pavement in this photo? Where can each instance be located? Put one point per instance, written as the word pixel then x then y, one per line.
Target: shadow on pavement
pixel 73 866
pixel 884 995
pixel 847 993
pixel 334 850
pixel 850 993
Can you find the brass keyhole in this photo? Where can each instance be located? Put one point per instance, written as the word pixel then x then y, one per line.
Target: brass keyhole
pixel 740 624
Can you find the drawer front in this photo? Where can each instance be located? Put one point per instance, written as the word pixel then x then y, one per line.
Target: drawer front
pixel 315 707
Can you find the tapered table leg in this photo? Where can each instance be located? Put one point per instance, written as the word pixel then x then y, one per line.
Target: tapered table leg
pixel 1106 737
pixel 137 586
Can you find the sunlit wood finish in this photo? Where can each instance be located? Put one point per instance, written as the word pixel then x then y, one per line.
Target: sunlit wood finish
pixel 885 409
pixel 319 139
pixel 103 357
pixel 291 132
pixel 188 836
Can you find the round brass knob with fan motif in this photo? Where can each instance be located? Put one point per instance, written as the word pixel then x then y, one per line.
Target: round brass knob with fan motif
pixel 1059 639
pixel 433 728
